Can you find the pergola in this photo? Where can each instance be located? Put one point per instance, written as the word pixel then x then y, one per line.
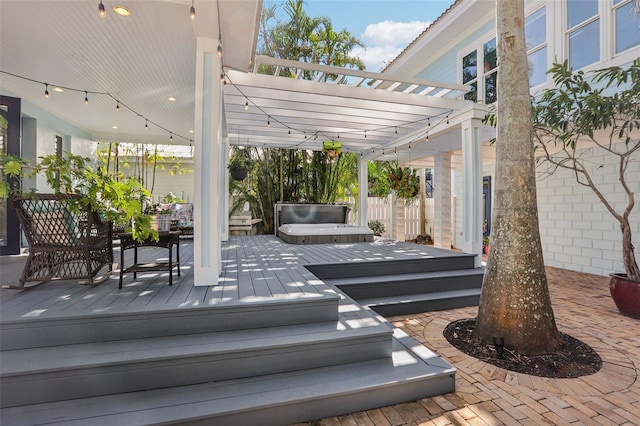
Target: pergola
pixel 156 76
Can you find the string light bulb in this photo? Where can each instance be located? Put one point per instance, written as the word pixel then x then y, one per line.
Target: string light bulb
pixel 146 124
pixel 222 78
pixel 365 134
pixel 46 91
pixel 118 106
pixel 192 11
pixel 219 50
pixel 86 97
pixel 428 122
pixel 447 119
pixel 396 130
pixel 170 137
pixel 246 106
pixel 268 121
pixel 101 10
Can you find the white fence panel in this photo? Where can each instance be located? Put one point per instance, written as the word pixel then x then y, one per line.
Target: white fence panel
pixel 381 208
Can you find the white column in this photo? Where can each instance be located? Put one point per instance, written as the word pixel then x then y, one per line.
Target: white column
pixel 397 217
pixel 442 229
pixel 208 142
pixel 363 192
pixel 224 190
pixel 472 201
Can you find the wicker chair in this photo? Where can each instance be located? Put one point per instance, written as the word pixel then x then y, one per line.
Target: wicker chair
pixel 64 242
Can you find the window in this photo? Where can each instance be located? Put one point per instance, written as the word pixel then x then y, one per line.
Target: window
pixel 490 71
pixel 536 40
pixel 470 75
pixel 483 83
pixel 627 25
pixel 583 31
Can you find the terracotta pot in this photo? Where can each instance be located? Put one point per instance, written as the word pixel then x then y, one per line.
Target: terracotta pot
pixel 626 294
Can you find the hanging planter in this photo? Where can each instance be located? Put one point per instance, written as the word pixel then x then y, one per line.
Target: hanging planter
pixel 238 173
pixel 240 163
pixel 404 181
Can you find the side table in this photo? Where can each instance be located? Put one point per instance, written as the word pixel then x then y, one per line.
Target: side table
pixel 166 239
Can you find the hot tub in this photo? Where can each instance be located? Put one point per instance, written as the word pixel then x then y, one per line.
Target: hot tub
pixel 323 233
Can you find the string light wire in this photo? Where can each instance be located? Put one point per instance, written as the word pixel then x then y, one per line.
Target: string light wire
pixel 97 93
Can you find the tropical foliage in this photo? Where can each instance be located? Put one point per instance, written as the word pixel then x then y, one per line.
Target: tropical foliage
pixel 121 201
pixel 306 39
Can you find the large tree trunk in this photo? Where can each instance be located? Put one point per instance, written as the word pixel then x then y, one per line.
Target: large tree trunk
pixel 515 302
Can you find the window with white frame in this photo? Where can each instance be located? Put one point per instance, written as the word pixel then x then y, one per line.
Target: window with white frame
pixel 536 40
pixel 483 81
pixel 490 58
pixel 470 75
pixel 627 25
pixel 583 32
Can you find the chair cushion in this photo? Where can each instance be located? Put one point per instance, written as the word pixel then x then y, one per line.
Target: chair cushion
pixel 183 213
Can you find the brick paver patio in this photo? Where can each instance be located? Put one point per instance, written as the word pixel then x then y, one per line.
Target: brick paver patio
pixel 488 395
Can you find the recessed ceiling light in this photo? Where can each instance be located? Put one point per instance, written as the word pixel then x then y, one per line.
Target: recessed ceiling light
pixel 171 98
pixel 121 10
pixel 114 127
pixel 58 89
pixel 190 131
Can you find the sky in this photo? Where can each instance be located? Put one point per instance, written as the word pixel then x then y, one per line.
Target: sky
pixel 385 27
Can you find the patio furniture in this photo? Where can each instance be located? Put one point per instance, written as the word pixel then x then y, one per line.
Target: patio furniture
pixel 166 239
pixel 181 216
pixel 66 240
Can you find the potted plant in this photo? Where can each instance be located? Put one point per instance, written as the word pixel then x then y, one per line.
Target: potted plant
pixel 377 227
pixel 599 110
pixel 118 201
pixel 240 163
pixel 485 244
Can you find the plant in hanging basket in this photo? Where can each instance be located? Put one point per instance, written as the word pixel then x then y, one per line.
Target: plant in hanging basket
pixel 240 163
pixel 403 181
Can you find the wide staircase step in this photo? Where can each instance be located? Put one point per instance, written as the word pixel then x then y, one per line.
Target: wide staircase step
pixel 454 261
pixel 412 372
pixel 72 371
pixel 400 284
pixel 101 327
pixel 425 302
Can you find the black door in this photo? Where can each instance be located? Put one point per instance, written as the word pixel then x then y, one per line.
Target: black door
pixel 9 226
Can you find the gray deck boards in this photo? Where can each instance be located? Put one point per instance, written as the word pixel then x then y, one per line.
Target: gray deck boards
pixel 254 268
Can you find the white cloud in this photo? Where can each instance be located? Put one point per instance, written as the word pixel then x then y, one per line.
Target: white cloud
pixel 385 40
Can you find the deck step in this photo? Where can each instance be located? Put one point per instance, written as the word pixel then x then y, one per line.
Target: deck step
pixel 102 327
pixel 73 371
pixel 276 399
pixel 425 302
pixel 450 262
pixel 409 283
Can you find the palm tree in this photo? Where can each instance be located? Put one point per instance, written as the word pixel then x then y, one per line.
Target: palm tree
pixel 515 304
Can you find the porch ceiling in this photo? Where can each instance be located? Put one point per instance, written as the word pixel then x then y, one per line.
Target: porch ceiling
pixel 143 59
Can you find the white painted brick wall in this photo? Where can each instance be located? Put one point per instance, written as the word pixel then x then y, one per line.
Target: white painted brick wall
pixel 571 216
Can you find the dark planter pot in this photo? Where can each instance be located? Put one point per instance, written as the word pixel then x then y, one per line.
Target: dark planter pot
pixel 626 294
pixel 238 173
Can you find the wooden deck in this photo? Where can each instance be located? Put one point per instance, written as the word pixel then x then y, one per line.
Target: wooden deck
pixel 254 269
pixel 271 343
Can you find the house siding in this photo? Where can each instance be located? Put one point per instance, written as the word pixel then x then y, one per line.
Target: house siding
pixel 577 231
